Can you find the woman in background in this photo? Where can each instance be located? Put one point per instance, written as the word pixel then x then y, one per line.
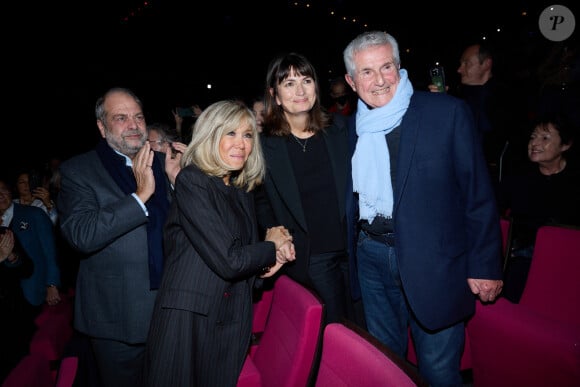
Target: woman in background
pixel 545 191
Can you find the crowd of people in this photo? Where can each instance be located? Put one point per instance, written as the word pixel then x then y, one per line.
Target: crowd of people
pixel 29 270
pixel 385 202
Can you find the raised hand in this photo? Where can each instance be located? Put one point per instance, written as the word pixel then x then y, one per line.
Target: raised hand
pixel 142 169
pixel 173 160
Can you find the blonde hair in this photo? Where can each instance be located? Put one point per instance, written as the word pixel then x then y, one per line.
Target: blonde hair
pixel 214 122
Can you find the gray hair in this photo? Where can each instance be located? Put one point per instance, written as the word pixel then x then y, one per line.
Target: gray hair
pixel 366 40
pixel 100 112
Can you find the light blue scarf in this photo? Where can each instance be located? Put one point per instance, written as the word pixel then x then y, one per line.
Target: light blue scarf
pixel 371 166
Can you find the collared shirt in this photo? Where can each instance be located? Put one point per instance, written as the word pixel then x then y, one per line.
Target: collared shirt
pixel 52 213
pixel 129 163
pixel 7 217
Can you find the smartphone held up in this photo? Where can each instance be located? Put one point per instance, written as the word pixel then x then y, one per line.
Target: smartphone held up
pixel 185 111
pixel 34 180
pixel 438 78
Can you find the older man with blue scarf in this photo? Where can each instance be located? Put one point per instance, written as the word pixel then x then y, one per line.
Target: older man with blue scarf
pixel 423 217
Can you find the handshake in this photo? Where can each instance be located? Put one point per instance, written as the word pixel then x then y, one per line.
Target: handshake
pixel 285 251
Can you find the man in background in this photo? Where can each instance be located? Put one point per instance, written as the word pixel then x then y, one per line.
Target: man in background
pixel 498 112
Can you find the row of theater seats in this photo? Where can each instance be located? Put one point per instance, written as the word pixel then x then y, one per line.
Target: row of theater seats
pixel 293 348
pixel 286 354
pixel 45 365
pixel 533 343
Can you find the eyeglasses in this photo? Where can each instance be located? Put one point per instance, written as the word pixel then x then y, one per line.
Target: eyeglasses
pixel 158 142
pixel 4 193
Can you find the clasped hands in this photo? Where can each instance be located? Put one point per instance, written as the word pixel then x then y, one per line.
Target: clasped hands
pixel 285 251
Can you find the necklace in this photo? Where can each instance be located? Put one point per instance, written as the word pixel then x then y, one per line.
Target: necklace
pixel 303 145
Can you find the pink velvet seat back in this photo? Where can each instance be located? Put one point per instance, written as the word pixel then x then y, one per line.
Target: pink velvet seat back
pixel 67 371
pixel 261 311
pixel 553 286
pixel 534 343
pixel 287 349
pixel 349 359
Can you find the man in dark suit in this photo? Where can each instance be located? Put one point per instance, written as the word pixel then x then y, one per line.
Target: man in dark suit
pixel 429 236
pixel 112 206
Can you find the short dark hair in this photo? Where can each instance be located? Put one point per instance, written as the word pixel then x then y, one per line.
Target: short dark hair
pixel 485 52
pixel 560 121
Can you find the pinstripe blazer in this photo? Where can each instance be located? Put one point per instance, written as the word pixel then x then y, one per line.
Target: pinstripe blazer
pixel 201 325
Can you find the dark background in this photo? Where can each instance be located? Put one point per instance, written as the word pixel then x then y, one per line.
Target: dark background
pixel 63 55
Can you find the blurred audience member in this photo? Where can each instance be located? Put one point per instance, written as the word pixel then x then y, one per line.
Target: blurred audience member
pixel 16 326
pixel 33 236
pixel 160 137
pixel 259 108
pixel 342 97
pixel 31 191
pixel 499 113
pixel 545 191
